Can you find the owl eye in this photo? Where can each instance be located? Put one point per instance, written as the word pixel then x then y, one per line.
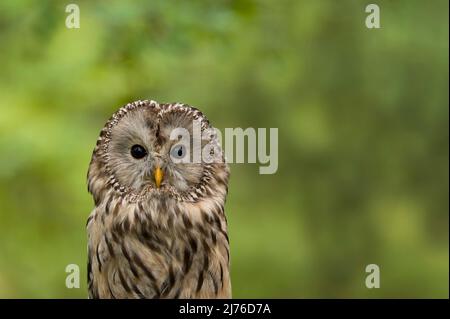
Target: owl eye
pixel 138 151
pixel 178 151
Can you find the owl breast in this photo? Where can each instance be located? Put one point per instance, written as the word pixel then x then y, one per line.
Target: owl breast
pixel 158 248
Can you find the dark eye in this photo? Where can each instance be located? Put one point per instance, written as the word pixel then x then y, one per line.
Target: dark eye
pixel 138 151
pixel 178 151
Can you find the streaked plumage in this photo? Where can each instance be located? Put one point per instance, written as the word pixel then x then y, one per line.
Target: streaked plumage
pixel 150 242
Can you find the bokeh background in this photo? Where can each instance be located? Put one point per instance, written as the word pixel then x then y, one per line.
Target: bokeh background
pixel 363 135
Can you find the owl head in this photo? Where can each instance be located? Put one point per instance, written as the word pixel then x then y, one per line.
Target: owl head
pixel 149 149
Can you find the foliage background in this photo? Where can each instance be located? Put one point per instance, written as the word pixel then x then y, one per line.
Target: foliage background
pixel 363 134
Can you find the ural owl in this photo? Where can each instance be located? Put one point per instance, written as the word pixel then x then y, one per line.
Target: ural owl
pixel 158 229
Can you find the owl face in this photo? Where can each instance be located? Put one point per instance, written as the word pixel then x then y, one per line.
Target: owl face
pixel 142 153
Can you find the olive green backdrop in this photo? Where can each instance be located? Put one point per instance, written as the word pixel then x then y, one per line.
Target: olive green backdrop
pixel 363 134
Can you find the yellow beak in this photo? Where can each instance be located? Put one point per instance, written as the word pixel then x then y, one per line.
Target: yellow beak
pixel 159 175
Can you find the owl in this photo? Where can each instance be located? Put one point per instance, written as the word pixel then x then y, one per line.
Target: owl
pixel 158 229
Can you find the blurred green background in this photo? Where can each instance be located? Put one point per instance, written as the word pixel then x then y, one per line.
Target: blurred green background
pixel 363 134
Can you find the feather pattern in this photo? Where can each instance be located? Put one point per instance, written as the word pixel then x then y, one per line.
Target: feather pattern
pixel 146 242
